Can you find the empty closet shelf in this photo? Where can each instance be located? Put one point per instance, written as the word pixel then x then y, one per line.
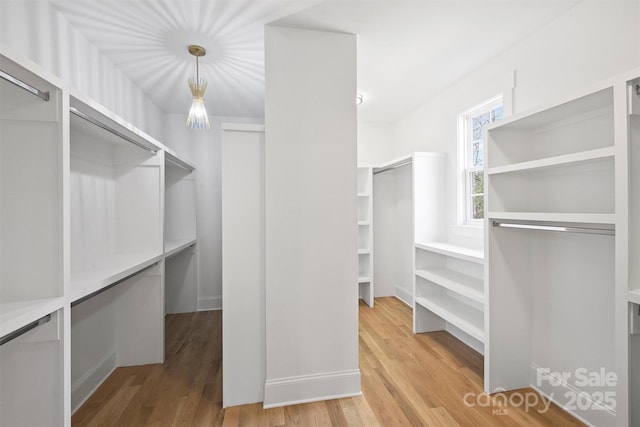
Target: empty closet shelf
pixel 364 279
pixel 634 296
pixel 459 283
pixel 174 247
pixel 578 218
pixel 459 314
pixel 14 315
pixel 92 279
pixel 452 250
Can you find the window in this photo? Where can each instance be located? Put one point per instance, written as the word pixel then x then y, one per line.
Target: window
pixel 471 149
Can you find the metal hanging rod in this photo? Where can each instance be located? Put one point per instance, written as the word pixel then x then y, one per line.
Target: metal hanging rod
pixel 180 164
pixel 388 168
pixel 109 129
pixel 15 334
pixel 26 86
pixel 557 228
pixel 106 288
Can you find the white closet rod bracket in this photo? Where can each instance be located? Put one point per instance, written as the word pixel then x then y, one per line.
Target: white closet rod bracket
pixel 110 130
pixel 26 86
pixel 23 330
pixel 557 228
pixel 388 168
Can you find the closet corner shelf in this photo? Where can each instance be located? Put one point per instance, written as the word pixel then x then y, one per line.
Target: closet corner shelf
pixel 364 279
pixel 459 314
pixel 634 296
pixel 459 283
pixel 16 314
pixel 452 250
pixel 583 218
pixel 573 158
pixel 93 279
pixel 173 247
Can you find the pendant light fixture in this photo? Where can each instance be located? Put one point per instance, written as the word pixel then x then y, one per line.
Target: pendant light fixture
pixel 197 118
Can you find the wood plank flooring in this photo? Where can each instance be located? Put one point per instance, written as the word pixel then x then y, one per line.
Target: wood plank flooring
pixel 407 380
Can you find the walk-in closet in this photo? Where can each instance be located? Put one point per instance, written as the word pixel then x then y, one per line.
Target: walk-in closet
pixel 319 213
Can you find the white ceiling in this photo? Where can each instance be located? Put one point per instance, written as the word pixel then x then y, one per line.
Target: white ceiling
pixel 408 50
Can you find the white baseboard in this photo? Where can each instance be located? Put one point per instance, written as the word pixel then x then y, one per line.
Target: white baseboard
pixel 311 388
pixel 91 380
pixel 404 296
pixel 209 303
pixel 597 414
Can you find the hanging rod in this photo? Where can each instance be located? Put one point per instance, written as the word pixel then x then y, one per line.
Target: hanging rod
pixel 388 168
pixel 26 86
pixel 106 288
pixel 558 228
pixel 179 163
pixel 109 129
pixel 23 330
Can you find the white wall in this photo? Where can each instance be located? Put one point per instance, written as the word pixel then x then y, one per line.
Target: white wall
pixel 310 214
pixel 35 30
pixel 592 41
pixel 375 143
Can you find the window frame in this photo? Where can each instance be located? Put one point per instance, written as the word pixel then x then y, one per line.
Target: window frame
pixel 465 167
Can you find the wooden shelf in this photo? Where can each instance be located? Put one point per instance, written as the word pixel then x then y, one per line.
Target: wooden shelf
pixel 459 283
pixel 86 282
pixel 568 159
pixel 14 315
pixel 582 218
pixel 454 251
pixel 174 247
pixel 459 314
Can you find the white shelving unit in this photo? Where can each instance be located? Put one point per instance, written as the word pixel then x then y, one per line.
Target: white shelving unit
pixel 449 291
pixel 365 235
pixel 408 206
pixel 31 248
pixel 181 290
pixel 552 214
pixel 633 126
pixel 83 218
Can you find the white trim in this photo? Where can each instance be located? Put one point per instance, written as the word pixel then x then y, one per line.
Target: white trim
pixel 209 303
pixel 89 382
pixel 311 388
pixel 242 127
pixel 404 296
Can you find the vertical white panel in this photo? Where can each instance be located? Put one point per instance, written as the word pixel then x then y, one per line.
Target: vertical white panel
pixel 311 209
pixel 243 267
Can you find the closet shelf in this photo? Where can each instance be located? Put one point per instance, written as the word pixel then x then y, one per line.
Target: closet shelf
pixel 86 282
pixel 363 194
pixel 364 251
pixel 459 314
pixel 634 296
pixel 454 251
pixel 363 223
pixel 14 315
pixel 364 279
pixel 582 218
pixel 174 247
pixel 459 283
pixel 568 159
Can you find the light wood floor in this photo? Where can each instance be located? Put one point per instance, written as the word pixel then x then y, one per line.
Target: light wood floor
pixel 407 379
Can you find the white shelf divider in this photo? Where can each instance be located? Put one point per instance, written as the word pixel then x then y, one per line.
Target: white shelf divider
pixel 459 283
pixel 459 314
pixel 564 160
